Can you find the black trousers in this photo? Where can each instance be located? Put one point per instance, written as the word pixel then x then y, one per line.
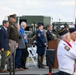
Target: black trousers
pixel 24 57
pixel 63 73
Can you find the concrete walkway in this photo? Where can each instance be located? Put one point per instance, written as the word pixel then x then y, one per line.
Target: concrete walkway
pixel 32 71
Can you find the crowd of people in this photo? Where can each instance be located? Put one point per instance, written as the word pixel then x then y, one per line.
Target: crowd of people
pixel 14 39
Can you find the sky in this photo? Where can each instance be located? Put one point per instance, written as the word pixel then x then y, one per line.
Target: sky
pixel 64 10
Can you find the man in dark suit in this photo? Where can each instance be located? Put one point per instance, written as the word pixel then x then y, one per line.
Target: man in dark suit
pixel 41 44
pixel 49 33
pixel 4 44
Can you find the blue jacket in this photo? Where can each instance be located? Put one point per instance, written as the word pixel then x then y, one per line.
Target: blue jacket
pixel 40 38
pixel 4 41
pixel 23 34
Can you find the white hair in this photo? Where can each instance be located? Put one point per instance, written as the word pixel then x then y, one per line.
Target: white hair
pixel 23 24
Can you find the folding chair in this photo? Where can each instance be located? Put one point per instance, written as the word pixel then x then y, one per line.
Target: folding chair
pixel 32 54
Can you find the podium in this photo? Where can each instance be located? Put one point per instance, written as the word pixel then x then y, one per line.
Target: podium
pixel 53 45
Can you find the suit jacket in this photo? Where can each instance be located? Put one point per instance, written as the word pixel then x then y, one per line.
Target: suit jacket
pixel 4 41
pixel 49 36
pixel 21 43
pixel 40 38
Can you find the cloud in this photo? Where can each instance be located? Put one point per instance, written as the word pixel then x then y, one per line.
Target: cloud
pixel 56 8
pixel 4 12
pixel 67 3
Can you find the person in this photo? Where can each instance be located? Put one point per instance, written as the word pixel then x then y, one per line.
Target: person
pixel 13 33
pixel 13 37
pixel 41 44
pixel 4 44
pixel 66 53
pixel 72 35
pixel 24 51
pixel 21 46
pixel 73 41
pixel 49 33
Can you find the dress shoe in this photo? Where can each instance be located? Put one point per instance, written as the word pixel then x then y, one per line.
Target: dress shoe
pixel 25 68
pixel 10 70
pixel 40 66
pixel 21 68
pixel 3 71
pixel 17 69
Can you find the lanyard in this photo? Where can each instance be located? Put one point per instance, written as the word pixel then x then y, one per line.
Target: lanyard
pixel 68 43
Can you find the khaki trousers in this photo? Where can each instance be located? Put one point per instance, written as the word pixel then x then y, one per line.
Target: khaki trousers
pixel 12 50
pixel 12 46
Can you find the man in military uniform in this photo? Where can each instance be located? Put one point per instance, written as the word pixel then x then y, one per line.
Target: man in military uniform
pixel 66 53
pixel 13 34
pixel 41 44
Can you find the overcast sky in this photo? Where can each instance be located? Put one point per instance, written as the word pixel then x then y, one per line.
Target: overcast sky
pixel 57 9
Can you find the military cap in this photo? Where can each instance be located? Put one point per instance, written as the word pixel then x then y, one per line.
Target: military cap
pixel 72 30
pixel 63 31
pixel 13 15
pixel 40 24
